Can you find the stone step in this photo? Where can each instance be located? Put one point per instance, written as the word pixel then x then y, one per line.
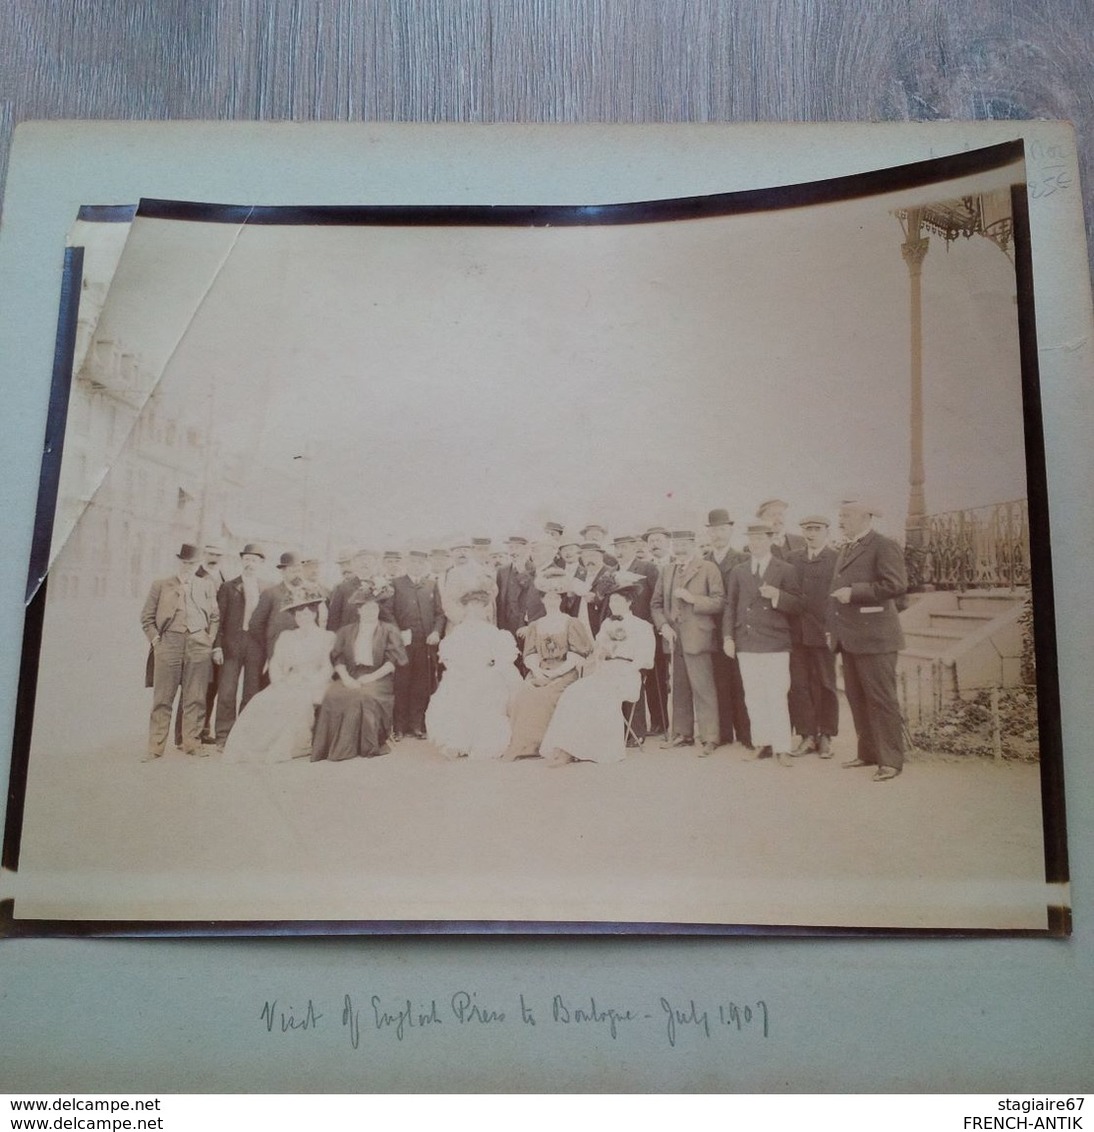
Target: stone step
pixel 987 601
pixel 931 643
pixel 972 615
pixel 915 656
pixel 935 634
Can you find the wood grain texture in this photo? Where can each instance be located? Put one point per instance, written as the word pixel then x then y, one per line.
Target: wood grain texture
pixel 550 61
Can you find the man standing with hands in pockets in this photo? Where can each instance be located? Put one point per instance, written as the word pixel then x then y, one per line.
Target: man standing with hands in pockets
pixel 686 604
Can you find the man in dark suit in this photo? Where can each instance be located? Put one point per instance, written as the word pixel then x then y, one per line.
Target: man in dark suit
pixel 864 625
pixel 531 605
pixel 269 619
pixel 237 600
pixel 773 512
pixel 594 532
pixel 763 595
pixel 657 551
pixel 514 578
pixel 732 711
pixel 180 618
pixel 650 706
pixel 417 610
pixel 686 604
pixel 626 550
pixel 590 588
pixel 353 567
pixel 814 704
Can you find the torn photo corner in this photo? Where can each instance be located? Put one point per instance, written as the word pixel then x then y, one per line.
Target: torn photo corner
pixel 353 388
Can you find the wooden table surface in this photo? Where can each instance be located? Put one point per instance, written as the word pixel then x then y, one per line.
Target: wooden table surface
pixel 550 61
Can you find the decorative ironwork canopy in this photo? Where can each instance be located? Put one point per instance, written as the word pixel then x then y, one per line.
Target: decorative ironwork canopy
pixel 981 214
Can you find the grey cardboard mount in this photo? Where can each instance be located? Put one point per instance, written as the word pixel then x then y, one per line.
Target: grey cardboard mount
pixel 742 1014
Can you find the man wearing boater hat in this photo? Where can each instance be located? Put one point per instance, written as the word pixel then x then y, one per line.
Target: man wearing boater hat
pixel 180 618
pixel 763 595
pixel 864 625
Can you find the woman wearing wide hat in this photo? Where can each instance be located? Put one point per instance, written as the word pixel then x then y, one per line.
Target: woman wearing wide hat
pixel 588 724
pixel 355 716
pixel 276 725
pixel 554 647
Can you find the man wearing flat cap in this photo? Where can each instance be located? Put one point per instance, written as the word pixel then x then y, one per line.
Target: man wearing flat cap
pixel 773 512
pixel 180 618
pixel 237 600
pixel 864 625
pixel 814 704
pixel 733 721
pixel 686 605
pixel 763 596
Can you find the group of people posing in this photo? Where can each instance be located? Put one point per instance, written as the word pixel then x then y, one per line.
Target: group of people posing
pixel 546 649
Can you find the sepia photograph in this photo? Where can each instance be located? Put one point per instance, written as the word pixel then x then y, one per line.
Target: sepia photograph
pixel 666 566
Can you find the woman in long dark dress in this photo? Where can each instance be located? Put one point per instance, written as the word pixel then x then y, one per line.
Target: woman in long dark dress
pixel 355 715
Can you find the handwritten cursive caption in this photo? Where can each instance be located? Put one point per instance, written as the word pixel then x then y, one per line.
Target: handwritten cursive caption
pixel 364 1018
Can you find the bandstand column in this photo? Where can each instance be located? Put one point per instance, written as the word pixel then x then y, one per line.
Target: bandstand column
pixel 914 249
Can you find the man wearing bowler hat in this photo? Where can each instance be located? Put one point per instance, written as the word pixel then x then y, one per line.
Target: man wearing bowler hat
pixel 814 705
pixel 180 618
pixel 237 600
pixel 864 625
pixel 269 619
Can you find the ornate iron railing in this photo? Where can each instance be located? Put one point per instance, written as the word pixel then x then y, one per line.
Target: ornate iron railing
pixel 978 547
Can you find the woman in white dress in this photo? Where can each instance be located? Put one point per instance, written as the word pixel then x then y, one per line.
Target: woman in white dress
pixel 469 712
pixel 588 724
pixel 276 725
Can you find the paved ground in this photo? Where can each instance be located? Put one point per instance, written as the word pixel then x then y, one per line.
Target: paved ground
pixel 664 836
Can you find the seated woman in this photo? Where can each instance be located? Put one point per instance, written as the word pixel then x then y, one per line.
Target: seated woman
pixel 355 715
pixel 588 724
pixel 276 725
pixel 554 647
pixel 469 712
